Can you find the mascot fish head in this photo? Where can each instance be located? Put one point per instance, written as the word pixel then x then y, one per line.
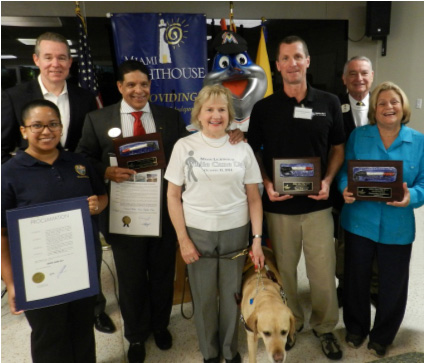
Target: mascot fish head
pixel 233 68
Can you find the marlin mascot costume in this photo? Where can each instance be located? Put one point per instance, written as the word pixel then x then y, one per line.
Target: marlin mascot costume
pixel 233 68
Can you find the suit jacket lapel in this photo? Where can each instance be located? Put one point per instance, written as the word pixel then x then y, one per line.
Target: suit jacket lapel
pixel 157 117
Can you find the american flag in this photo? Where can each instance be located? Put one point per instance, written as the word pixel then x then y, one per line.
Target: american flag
pixel 86 75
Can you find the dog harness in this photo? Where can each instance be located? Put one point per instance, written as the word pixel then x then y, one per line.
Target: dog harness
pixel 270 275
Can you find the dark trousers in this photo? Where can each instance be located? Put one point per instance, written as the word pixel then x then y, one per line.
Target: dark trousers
pixel 339 235
pixel 393 268
pixel 146 270
pixel 100 298
pixel 63 333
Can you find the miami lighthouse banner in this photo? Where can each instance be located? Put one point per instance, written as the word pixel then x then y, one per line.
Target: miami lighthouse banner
pixel 173 47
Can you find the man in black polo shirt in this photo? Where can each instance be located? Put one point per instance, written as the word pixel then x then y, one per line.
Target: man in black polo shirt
pixel 301 121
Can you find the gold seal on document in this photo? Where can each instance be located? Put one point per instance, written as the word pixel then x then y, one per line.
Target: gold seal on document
pixel 38 277
pixel 126 220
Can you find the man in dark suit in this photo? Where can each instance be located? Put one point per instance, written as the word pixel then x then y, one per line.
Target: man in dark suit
pixel 357 77
pixel 53 57
pixel 145 265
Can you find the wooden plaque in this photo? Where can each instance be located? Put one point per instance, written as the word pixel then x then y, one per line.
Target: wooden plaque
pixel 376 180
pixel 298 176
pixel 140 153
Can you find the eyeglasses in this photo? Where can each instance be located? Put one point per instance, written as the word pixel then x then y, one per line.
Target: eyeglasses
pixel 39 128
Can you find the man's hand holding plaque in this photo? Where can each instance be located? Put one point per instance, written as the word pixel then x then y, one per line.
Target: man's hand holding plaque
pixel 140 153
pixel 297 176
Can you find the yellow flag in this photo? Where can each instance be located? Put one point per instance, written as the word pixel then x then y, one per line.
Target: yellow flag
pixel 263 61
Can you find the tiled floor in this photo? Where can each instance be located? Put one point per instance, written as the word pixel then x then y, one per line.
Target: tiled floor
pixel 112 348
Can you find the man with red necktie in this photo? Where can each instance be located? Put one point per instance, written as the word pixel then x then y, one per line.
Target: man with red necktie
pixel 145 265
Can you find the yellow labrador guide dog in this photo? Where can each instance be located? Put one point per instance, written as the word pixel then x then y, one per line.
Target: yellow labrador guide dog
pixel 264 311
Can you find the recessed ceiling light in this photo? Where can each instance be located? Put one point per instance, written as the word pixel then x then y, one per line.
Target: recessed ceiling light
pixel 29 41
pixel 8 56
pixel 31 21
pixel 245 23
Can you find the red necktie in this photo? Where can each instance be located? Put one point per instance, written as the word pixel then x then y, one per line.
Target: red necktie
pixel 138 126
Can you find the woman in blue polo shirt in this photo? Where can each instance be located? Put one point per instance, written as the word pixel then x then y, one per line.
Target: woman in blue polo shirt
pixel 43 173
pixel 383 230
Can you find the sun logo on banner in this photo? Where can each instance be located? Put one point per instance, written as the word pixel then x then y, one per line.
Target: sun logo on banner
pixel 171 34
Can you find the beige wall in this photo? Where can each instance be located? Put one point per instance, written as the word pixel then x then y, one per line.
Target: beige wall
pixel 403 64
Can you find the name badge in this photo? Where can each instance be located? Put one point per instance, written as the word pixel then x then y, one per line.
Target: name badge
pixel 303 112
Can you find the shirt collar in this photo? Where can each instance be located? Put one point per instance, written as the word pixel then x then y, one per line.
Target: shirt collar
pixel 44 90
pixel 310 95
pixel 126 108
pixel 365 101
pixel 405 133
pixel 26 159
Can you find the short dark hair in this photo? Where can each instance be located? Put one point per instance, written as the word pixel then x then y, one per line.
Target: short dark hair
pixel 290 39
pixel 38 103
pixel 131 66
pixel 54 37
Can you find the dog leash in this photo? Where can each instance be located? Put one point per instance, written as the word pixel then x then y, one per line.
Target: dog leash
pixel 183 295
pixel 238 253
pixel 227 256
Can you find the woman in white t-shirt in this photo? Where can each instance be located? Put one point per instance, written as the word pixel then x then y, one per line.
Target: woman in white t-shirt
pixel 212 195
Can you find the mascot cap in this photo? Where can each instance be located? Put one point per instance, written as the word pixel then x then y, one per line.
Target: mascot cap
pixel 228 42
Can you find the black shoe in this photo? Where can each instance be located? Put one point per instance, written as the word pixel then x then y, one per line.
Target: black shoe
pixel 290 343
pixel 211 360
pixel 374 299
pixel 163 339
pixel 340 296
pixel 329 345
pixel 377 349
pixel 354 340
pixel 136 353
pixel 104 324
pixel 236 359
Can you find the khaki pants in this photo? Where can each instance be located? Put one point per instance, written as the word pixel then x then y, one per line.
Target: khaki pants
pixel 312 233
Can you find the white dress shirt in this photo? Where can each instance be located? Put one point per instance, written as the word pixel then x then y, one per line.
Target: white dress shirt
pixel 127 120
pixel 360 113
pixel 62 102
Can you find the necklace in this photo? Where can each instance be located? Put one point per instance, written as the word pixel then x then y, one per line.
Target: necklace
pixel 211 145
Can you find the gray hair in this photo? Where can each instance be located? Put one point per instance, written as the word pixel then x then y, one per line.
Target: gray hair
pixel 54 37
pixel 356 58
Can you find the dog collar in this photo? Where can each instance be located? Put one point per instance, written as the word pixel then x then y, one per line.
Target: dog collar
pixel 245 324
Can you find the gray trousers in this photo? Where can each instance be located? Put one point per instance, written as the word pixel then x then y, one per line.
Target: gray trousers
pixel 213 282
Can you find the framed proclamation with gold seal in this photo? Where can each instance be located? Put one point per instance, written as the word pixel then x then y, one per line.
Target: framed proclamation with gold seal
pixel 53 253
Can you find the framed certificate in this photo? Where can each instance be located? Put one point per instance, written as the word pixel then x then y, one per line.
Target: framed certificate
pixel 299 176
pixel 140 153
pixel 376 180
pixel 53 253
pixel 135 206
